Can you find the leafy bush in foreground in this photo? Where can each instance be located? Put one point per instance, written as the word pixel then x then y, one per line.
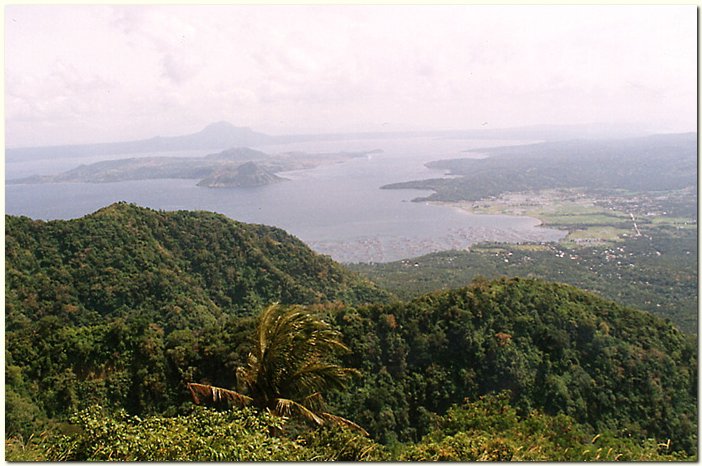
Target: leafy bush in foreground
pixel 490 430
pixel 202 435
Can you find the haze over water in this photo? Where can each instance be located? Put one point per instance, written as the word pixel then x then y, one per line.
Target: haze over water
pixel 337 209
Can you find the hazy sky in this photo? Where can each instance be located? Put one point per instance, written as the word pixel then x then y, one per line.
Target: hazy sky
pixel 78 74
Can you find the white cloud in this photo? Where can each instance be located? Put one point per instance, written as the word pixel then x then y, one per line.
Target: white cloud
pixel 88 73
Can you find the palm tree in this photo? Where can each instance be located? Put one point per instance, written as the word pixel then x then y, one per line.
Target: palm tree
pixel 288 370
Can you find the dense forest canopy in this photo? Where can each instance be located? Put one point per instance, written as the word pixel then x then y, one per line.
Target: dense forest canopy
pixel 116 312
pixel 182 266
pixel 656 273
pixel 552 346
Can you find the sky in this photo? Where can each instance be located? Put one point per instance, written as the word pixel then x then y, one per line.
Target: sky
pixel 96 73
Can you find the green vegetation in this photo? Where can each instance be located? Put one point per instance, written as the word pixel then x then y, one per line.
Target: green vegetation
pixel 202 435
pixel 111 317
pixel 491 430
pixel 123 307
pixel 656 272
pixel 289 370
pixel 183 269
pixel 629 206
pixel 487 429
pixel 554 347
pixel 604 234
pixel 636 249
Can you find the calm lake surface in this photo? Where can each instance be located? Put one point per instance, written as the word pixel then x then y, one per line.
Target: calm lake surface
pixel 337 209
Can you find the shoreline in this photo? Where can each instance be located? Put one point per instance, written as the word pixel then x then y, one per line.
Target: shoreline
pixel 567 210
pixel 469 210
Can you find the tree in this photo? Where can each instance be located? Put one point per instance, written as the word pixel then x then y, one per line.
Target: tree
pixel 289 369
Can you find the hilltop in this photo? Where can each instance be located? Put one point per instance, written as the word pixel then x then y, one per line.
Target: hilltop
pixel 245 175
pixel 123 307
pixel 552 347
pixel 124 258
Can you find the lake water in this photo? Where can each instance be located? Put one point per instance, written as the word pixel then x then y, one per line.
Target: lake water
pixel 336 209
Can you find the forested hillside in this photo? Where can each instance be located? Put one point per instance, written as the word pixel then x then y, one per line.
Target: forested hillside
pixel 116 312
pixel 656 273
pixel 186 267
pixel 552 346
pixel 118 307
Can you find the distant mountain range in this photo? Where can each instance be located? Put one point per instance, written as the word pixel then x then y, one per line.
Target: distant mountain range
pixel 217 136
pixel 223 135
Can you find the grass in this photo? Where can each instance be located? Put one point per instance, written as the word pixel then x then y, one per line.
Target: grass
pixel 599 218
pixel 586 222
pixel 530 247
pixel 606 233
pixel 675 221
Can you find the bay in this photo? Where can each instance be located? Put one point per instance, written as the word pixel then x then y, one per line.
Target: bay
pixel 337 209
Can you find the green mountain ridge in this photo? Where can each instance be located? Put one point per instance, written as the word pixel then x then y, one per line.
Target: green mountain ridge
pixel 123 307
pixel 126 257
pixel 552 346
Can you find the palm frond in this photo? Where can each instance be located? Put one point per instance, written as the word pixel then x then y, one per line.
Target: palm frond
pixel 320 376
pixel 286 407
pixel 314 401
pixel 289 339
pixel 342 421
pixel 217 394
pixel 288 369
